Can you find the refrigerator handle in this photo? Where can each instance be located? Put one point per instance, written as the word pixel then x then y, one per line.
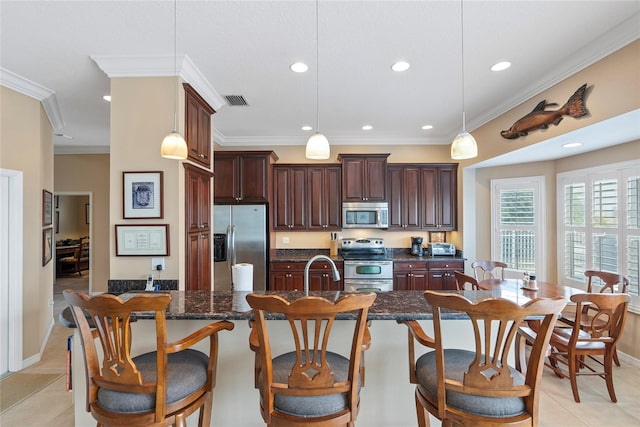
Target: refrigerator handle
pixel 229 248
pixel 233 245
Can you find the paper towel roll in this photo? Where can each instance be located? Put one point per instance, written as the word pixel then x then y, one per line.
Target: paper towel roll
pixel 242 277
pixel 239 301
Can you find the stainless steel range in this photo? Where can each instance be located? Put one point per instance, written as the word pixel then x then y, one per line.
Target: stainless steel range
pixel 366 265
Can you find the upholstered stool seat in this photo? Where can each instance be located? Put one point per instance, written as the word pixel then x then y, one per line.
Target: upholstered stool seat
pixel 456 363
pixel 186 373
pixel 310 406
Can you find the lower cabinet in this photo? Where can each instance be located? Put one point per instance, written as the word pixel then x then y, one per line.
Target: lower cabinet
pixel 289 276
pixel 423 275
pixel 410 276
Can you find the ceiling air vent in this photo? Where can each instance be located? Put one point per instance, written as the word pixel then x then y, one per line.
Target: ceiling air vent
pixel 236 100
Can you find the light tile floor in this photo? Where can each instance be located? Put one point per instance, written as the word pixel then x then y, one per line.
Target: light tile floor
pixel 53 406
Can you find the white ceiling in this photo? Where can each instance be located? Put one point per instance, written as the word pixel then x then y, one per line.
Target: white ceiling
pixel 246 47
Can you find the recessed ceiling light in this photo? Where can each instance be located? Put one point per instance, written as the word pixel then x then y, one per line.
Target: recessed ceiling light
pixel 572 144
pixel 299 67
pixel 427 127
pixel 400 66
pixel 501 66
pixel 306 127
pixel 367 127
pixel 107 98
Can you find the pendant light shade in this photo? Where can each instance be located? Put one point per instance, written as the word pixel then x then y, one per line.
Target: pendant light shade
pixel 318 144
pixel 173 145
pixel 318 147
pixel 464 145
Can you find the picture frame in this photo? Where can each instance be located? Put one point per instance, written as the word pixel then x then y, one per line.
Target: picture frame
pixel 142 195
pixel 86 213
pixel 47 245
pixel 142 240
pixel 57 226
pixel 437 237
pixel 47 208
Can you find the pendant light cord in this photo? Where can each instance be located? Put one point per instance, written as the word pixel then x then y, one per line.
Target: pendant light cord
pixel 462 52
pixel 317 69
pixel 175 64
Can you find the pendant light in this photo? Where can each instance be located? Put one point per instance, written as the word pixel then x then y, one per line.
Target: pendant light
pixel 173 145
pixel 464 145
pixel 318 144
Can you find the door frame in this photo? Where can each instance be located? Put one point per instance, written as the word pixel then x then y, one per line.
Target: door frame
pixel 14 262
pixel 90 194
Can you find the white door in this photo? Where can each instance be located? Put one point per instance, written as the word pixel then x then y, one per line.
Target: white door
pixel 11 188
pixel 4 274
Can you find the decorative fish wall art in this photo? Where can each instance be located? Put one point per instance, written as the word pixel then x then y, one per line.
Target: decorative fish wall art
pixel 540 118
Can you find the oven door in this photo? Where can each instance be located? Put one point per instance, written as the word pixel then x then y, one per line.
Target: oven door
pixel 356 285
pixel 368 270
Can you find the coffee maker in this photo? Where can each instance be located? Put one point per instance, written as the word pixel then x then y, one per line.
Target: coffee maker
pixel 416 246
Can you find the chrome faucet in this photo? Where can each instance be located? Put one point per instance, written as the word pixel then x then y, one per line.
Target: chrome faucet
pixel 336 273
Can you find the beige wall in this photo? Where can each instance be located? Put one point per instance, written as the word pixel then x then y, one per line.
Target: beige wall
pixel 70 221
pixel 141 116
pixel 89 173
pixel 26 144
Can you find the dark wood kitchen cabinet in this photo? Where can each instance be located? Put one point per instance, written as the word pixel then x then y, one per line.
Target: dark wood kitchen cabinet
pixel 404 196
pixel 364 177
pixel 324 200
pixel 197 127
pixel 243 176
pixel 440 197
pixel 410 276
pixel 289 198
pixel 197 228
pixel 442 274
pixel 289 276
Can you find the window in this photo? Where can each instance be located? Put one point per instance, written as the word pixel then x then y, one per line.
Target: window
pixel 517 218
pixel 598 225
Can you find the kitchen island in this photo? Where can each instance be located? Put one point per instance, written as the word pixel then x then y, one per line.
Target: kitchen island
pixel 386 400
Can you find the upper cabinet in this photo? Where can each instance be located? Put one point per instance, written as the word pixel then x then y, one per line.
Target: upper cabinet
pixel 197 127
pixel 364 177
pixel 289 198
pixel 423 196
pixel 440 196
pixel 307 197
pixel 242 176
pixel 404 196
pixel 324 205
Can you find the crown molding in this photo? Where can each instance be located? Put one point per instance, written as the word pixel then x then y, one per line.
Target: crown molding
pixel 620 36
pixel 31 89
pixel 81 149
pixel 239 141
pixel 160 66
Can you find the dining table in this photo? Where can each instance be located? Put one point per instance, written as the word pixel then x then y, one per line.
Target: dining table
pixel 520 291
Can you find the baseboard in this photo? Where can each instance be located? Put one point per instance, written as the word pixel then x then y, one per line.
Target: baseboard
pixel 629 359
pixel 38 356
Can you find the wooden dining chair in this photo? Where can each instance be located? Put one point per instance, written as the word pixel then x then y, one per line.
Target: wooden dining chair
pixel 576 346
pixel 609 283
pixel 158 388
pixel 315 384
pixel 71 264
pixel 477 387
pixel 462 279
pixel 484 270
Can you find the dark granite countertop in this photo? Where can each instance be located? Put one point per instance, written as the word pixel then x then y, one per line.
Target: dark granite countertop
pixel 402 254
pixel 227 305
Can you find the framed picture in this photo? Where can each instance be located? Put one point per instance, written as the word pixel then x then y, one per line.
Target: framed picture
pixel 142 195
pixel 142 240
pixel 47 245
pixel 86 213
pixel 437 236
pixel 47 208
pixel 57 226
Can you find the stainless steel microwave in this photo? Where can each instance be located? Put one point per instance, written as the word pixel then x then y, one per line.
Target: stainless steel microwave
pixel 365 215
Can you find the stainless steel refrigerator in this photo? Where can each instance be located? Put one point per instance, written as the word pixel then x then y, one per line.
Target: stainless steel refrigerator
pixel 240 236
